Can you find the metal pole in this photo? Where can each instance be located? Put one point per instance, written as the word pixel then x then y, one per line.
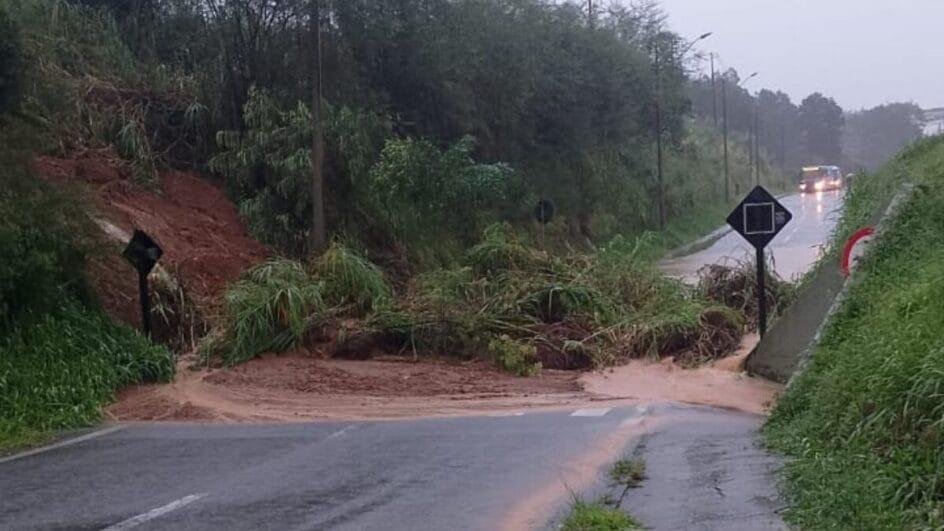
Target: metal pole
pixel 661 182
pixel 750 149
pixel 145 303
pixel 757 144
pixel 761 293
pixel 714 95
pixel 724 113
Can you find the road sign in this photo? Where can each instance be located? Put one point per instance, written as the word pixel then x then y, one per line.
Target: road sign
pixel 854 249
pixel 143 253
pixel 544 211
pixel 759 218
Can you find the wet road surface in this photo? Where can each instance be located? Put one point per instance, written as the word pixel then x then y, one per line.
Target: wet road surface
pixel 794 250
pixel 462 473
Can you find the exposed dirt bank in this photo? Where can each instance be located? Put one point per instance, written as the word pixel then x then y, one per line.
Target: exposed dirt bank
pixel 205 243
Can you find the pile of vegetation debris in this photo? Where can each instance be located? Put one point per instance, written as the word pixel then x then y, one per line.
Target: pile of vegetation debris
pixel 521 307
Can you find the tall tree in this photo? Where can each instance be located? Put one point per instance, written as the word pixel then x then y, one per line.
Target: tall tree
pixel 9 62
pixel 319 235
pixel 821 122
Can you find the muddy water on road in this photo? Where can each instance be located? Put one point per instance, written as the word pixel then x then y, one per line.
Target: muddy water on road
pixel 794 250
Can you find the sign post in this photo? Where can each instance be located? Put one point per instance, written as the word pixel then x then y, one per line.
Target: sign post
pixel 544 213
pixel 759 218
pixel 143 253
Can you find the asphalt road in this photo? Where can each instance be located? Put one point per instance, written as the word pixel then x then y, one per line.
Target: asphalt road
pixel 461 473
pixel 794 250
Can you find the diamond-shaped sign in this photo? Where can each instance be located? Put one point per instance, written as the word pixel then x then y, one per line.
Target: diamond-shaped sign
pixel 142 252
pixel 759 217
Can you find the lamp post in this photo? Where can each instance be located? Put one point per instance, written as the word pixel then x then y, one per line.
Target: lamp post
pixel 724 112
pixel 659 161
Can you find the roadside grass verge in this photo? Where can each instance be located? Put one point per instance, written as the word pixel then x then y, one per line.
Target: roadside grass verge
pixel 59 372
pixel 863 426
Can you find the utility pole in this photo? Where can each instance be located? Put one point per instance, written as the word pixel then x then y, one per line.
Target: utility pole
pixel 661 184
pixel 724 113
pixel 757 143
pixel 658 98
pixel 750 145
pixel 714 95
pixel 318 237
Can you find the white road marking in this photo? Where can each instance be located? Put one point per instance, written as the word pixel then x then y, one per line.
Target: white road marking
pixel 340 432
pixel 61 444
pixel 598 412
pixel 507 414
pixel 154 513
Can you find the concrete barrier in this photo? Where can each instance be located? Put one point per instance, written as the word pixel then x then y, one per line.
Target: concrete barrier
pixel 793 337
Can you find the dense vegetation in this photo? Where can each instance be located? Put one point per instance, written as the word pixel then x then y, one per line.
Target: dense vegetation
pixel 864 424
pixel 61 360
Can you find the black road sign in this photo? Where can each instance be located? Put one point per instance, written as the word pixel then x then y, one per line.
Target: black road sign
pixel 759 218
pixel 544 211
pixel 143 253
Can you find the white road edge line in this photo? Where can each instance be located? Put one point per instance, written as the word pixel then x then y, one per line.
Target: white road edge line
pixel 340 432
pixel 61 444
pixel 154 513
pixel 598 412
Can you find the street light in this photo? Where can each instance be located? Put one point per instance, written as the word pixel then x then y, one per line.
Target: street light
pixel 659 165
pixel 724 112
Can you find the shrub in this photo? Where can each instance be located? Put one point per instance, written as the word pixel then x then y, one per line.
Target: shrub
pixel 59 372
pixel 44 240
pixel 500 250
pixel 269 310
pixel 350 279
pixel 513 356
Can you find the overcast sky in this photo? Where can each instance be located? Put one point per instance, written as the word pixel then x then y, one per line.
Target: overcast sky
pixel 861 52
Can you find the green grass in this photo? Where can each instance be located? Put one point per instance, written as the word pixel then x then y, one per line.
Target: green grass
pixel 350 279
pixel 59 372
pixel 628 472
pixel 596 516
pixel 864 424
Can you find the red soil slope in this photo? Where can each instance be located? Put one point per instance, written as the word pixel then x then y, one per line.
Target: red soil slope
pixel 205 243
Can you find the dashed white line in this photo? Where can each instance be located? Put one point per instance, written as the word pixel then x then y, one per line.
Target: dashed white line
pixel 154 513
pixel 597 412
pixel 61 444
